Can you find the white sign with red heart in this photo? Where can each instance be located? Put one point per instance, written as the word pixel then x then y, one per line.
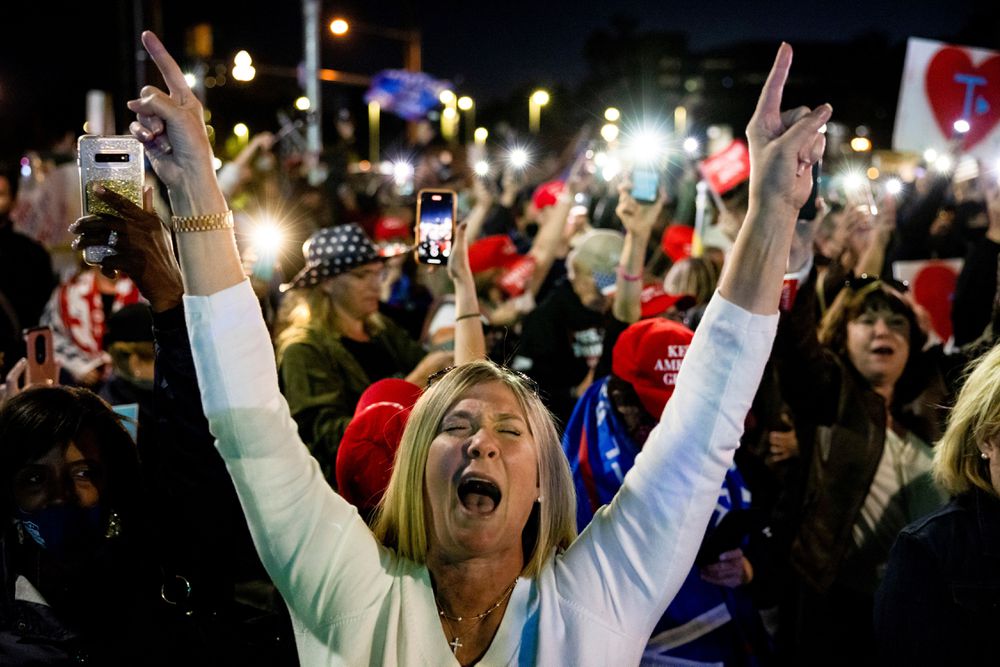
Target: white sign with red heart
pixel 949 92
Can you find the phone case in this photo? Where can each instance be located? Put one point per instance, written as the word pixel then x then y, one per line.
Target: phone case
pixel 116 162
pixel 434 238
pixel 42 367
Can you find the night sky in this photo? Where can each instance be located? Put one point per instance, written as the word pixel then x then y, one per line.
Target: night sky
pixel 48 59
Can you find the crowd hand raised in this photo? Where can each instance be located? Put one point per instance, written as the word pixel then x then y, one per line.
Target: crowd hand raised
pixel 177 116
pixel 143 248
pixel 638 218
pixel 731 570
pixel 783 145
pixel 459 269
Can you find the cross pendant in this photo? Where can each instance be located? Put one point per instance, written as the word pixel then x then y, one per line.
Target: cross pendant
pixel 455 645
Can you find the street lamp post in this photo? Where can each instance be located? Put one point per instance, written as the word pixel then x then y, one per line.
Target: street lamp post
pixel 538 99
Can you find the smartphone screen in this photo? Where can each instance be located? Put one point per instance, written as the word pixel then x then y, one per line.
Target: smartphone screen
pixel 645 184
pixel 435 225
pixel 42 368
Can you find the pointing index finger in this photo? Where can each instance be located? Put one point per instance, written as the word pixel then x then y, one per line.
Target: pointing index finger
pixel 171 72
pixel 769 104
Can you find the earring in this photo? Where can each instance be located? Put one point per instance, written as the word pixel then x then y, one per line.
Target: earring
pixel 114 526
pixel 984 455
pixel 539 499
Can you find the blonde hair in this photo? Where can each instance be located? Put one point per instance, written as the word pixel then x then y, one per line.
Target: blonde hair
pixel 696 276
pixel 312 308
pixel 958 467
pixel 401 521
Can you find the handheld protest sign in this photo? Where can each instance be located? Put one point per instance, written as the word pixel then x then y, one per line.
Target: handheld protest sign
pixel 949 93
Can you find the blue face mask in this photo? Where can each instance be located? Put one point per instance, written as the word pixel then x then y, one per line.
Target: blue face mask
pixel 60 529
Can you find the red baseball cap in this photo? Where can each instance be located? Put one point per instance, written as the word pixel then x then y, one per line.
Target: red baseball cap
pixel 676 241
pixel 368 448
pixel 493 252
pixel 547 194
pixel 648 356
pixel 654 301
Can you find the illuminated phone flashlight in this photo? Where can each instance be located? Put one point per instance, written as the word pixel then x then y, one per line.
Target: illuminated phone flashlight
pixel 482 168
pixel 611 168
pixel 518 158
pixel 691 146
pixel 943 164
pixel 961 126
pixel 266 239
pixel 853 181
pixel 894 186
pixel 647 146
pixel 402 172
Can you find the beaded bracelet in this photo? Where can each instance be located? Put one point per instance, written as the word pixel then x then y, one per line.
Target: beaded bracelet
pixel 203 223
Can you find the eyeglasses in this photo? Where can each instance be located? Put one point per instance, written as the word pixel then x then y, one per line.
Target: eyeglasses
pixel 522 379
pixel 869 282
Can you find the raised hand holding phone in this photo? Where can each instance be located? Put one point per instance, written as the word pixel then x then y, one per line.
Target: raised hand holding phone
pixel 435 231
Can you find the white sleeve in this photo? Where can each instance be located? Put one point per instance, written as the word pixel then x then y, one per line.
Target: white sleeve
pixel 633 557
pixel 320 554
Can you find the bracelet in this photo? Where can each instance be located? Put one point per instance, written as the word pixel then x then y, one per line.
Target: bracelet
pixel 202 223
pixel 467 316
pixel 627 276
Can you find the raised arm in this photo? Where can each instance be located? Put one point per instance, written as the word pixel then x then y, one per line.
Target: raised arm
pixel 172 128
pixel 636 553
pixel 783 148
pixel 638 220
pixel 302 530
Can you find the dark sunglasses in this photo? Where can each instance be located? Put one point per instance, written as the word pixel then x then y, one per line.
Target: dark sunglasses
pixel 525 381
pixel 870 281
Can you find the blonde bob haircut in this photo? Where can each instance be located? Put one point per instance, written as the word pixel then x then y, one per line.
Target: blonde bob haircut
pixel 975 419
pixel 401 522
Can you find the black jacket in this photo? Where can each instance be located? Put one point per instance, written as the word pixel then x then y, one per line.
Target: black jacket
pixel 939 603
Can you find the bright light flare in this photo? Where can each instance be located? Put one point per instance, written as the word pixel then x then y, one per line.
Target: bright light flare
pixel 447 97
pixel 894 186
pixel 691 145
pixel 339 27
pixel 611 168
pixel 402 172
pixel 609 132
pixel 243 69
pixel 267 237
pixel 943 164
pixel 190 79
pixel 480 135
pixel 482 168
pixel 518 158
pixel 303 103
pixel 647 146
pixel 853 182
pixel 465 103
pixel 241 130
pixel 930 156
pixel 962 126
pixel 540 98
pixel 861 144
pixel 611 114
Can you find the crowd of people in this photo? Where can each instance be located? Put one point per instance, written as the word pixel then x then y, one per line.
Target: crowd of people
pixel 593 437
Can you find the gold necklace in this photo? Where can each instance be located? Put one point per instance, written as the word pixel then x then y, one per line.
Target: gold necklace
pixel 456 643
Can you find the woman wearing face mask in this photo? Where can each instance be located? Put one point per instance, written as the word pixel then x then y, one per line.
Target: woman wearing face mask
pixel 79 575
pixel 336 344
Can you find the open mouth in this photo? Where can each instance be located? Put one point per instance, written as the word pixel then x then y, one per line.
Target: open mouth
pixel 478 495
pixel 883 351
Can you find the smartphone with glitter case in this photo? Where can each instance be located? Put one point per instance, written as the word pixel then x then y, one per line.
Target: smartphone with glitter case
pixel 115 162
